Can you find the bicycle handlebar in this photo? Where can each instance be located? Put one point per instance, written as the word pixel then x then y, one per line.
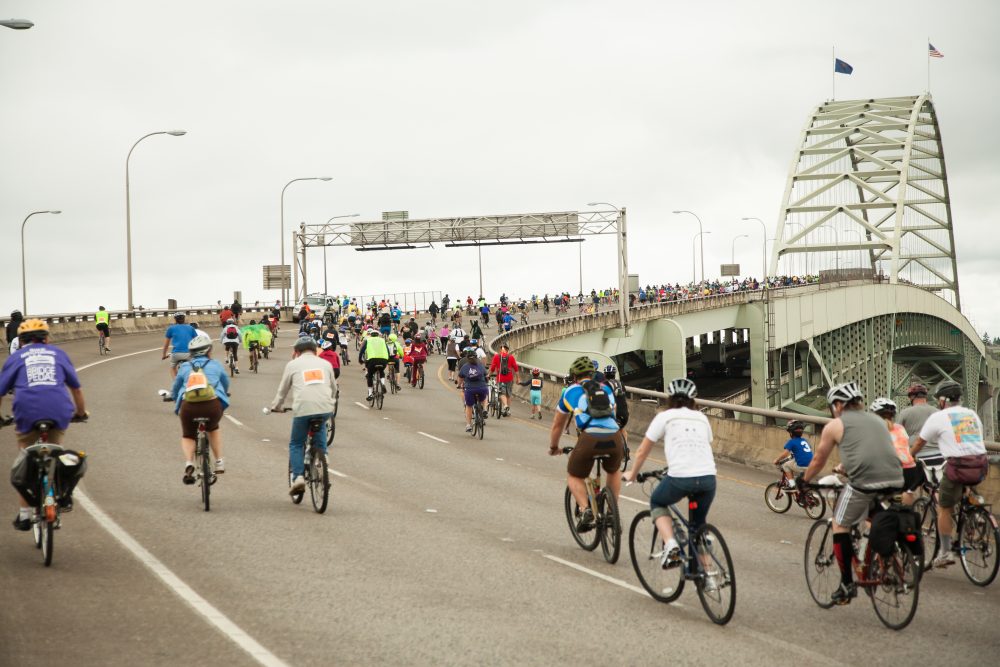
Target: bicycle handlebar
pixel 6 421
pixel 658 474
pixel 567 450
pixel 268 411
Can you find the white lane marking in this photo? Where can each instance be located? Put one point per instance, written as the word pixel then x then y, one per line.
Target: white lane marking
pixel 236 634
pixel 604 577
pixel 361 405
pixel 120 356
pixel 338 474
pixel 633 500
pixel 233 419
pixel 432 437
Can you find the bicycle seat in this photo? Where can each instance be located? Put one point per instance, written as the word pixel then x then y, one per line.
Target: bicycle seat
pixel 601 456
pixel 43 425
pixel 201 420
pixel 315 424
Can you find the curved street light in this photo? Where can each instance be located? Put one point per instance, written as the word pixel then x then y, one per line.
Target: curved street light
pixel 702 241
pixel 732 259
pixel 694 263
pixel 128 206
pixel 16 24
pixel 24 273
pixel 284 290
pixel 763 276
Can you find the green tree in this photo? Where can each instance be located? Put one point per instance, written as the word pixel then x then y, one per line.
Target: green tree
pixel 986 338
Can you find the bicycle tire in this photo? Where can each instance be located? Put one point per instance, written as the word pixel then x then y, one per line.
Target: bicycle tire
pixel 265 350
pixel 978 530
pixel 36 528
pixel 901 577
pixel 821 568
pixel 926 510
pixel 480 417
pixel 206 477
pixel 392 381
pixel 773 502
pixel 48 541
pixel 720 602
pixel 815 506
pixel 379 396
pixel 319 481
pixel 331 429
pixel 572 516
pixel 644 545
pixel 609 526
pixel 420 379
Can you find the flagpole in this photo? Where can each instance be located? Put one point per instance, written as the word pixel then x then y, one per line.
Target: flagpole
pixel 928 64
pixel 833 75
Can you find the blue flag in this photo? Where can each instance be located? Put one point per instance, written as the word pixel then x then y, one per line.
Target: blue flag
pixel 840 67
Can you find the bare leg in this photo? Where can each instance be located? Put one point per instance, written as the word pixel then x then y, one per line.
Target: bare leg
pixel 215 442
pixel 187 446
pixel 578 487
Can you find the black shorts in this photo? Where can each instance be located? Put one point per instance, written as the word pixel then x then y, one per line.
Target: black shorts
pixel 101 326
pixel 451 364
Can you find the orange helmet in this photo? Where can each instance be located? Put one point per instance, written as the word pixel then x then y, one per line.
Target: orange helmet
pixel 33 326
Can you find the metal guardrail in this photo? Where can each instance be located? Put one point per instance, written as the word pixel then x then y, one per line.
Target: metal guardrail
pixel 61 318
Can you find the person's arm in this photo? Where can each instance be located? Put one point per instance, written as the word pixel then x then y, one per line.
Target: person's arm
pixel 283 388
pixel 785 453
pixel 917 446
pixel 640 458
pixel 166 346
pixel 828 439
pixel 81 408
pixel 559 422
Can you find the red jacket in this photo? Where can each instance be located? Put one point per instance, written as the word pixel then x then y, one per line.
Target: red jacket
pixel 225 315
pixel 418 351
pixel 511 368
pixel 334 359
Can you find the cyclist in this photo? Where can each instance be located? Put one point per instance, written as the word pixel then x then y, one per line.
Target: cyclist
pixel 374 354
pixel 230 339
pixel 504 365
pixel 329 353
pixel 407 359
pixel 394 354
pixel 592 405
pixel 535 392
pixel 200 390
pixel 886 409
pixel 870 464
pixel 396 315
pixel 251 336
pixel 797 454
pixel 178 335
pixel 472 380
pixel 433 311
pixel 687 442
pixel 384 323
pixel 913 419
pixel 15 321
pixel 508 321
pixel 618 389
pixel 958 433
pixel 418 353
pixel 314 391
pixel 39 374
pixel 477 345
pixel 103 320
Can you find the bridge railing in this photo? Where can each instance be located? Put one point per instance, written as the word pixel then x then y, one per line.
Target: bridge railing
pixel 116 315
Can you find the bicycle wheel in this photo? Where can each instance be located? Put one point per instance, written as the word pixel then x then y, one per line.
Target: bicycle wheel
pixel 206 475
pixel 822 570
pixel 895 595
pixel 232 367
pixel 379 395
pixel 609 526
pixel 587 540
pixel 645 548
pixel 977 543
pixel 928 531
pixel 331 429
pixel 717 589
pixel 774 501
pixel 392 380
pixel 481 419
pixel 814 505
pixel 319 480
pixel 420 378
pixel 48 541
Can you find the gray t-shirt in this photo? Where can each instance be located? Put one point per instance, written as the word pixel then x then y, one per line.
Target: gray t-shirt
pixel 867 452
pixel 913 419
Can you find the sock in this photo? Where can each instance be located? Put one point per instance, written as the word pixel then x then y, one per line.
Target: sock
pixel 945 544
pixel 189 463
pixel 23 513
pixel 670 545
pixel 843 549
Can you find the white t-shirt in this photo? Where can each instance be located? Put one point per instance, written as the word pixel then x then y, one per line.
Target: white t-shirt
pixel 480 353
pixel 957 431
pixel 687 441
pixel 457 333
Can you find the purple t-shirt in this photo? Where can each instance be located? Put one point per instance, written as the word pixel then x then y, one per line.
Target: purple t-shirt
pixel 38 374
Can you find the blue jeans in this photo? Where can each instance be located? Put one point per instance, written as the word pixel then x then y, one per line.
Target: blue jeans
pixel 296 445
pixel 670 490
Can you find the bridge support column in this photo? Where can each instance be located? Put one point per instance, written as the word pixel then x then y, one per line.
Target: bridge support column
pixel 666 335
pixel 689 346
pixel 702 340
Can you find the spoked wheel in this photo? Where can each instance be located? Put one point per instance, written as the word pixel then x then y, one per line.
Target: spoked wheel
pixel 420 380
pixel 587 540
pixel 206 478
pixel 296 498
pixel 813 504
pixel 379 397
pixel 482 423
pixel 48 537
pixel 36 529
pixel 331 429
pixel 822 570
pixel 645 548
pixel 928 531
pixel 895 596
pixel 717 589
pixel 977 545
pixel 609 526
pixel 232 368
pixel 392 383
pixel 265 350
pixel 774 501
pixel 319 481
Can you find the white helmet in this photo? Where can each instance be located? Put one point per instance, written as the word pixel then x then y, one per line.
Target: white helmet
pixel 200 345
pixel 880 404
pixel 846 393
pixel 682 387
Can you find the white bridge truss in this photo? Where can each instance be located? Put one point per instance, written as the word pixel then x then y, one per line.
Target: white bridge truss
pixel 868 191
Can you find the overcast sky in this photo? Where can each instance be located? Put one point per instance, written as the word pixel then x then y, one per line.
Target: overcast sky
pixel 447 109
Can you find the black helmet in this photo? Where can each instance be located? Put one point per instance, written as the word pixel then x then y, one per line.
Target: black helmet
pixel 948 389
pixel 303 344
pixel 795 425
pixel 16 315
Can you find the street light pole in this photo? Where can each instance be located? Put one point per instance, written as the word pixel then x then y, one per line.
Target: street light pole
pixel 694 261
pixel 732 259
pixel 24 273
pixel 284 290
pixel 479 250
pixel 836 249
pixel 579 246
pixel 128 207
pixel 326 290
pixel 702 241
pixel 763 245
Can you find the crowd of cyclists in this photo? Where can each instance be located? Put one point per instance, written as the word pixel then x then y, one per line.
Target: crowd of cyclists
pixel 879 449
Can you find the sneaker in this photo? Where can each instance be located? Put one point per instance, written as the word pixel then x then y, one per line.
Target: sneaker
pixel 468 428
pixel 586 522
pixel 944 560
pixel 188 473
pixel 711 581
pixel 236 370
pixel 845 593
pixel 21 524
pixel 370 394
pixel 298 486
pixel 220 466
pixel 107 349
pixel 671 558
pixel 168 399
pixel 66 505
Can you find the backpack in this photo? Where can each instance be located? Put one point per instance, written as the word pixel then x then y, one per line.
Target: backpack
pixel 598 402
pixel 621 405
pixel 504 366
pixel 197 388
pixel 232 333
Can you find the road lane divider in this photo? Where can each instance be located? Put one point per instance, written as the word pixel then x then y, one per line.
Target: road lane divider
pixel 202 606
pixel 432 437
pixel 361 405
pixel 233 419
pixel 116 358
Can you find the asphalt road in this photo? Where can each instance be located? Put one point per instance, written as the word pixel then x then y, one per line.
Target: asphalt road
pixel 436 549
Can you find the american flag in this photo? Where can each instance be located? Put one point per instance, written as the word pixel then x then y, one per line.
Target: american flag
pixel 932 52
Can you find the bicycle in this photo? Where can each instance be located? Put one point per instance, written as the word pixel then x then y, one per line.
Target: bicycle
pixel 604 508
pixel 102 347
pixel 418 373
pixel 711 571
pixel 203 471
pixel 331 427
pixel 478 420
pixel 316 471
pixel 778 497
pixel 231 362
pixel 48 499
pixel 254 356
pixel 892 582
pixel 524 317
pixel 493 406
pixel 378 390
pixel 391 376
